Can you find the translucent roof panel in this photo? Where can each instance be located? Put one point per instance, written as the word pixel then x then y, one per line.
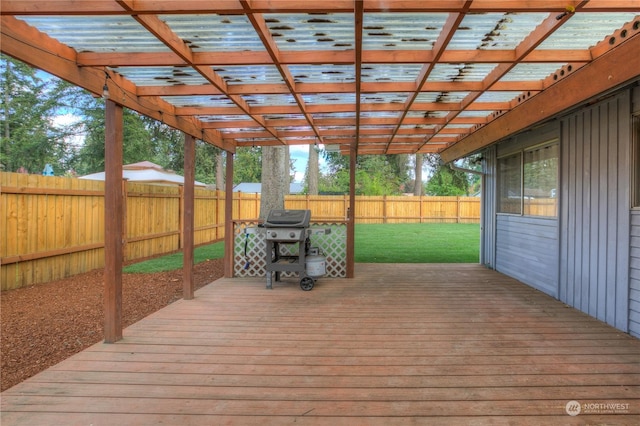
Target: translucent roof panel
pixel 384 98
pixel 531 72
pixel 223 118
pixel 380 114
pixel 283 99
pixel 441 96
pixel 98 33
pixel 497 96
pixel 293 31
pixel 244 74
pixel 415 31
pixel 494 30
pixel 219 33
pixel 322 73
pixel 329 98
pixel 427 114
pixel 161 76
pixel 585 30
pixel 390 72
pixel 198 101
pixel 460 72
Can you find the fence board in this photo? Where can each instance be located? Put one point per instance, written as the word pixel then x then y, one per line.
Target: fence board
pixel 53 227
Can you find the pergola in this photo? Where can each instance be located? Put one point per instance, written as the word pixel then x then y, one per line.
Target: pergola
pixel 364 77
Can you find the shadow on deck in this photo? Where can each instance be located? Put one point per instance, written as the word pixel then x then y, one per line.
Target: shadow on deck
pixel 399 344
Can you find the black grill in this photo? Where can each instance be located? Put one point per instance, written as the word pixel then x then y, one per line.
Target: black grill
pixel 288 228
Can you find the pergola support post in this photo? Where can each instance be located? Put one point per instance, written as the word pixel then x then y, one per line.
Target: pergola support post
pixel 188 216
pixel 228 218
pixel 113 223
pixel 351 219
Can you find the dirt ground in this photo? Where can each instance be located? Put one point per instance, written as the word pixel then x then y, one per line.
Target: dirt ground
pixel 43 324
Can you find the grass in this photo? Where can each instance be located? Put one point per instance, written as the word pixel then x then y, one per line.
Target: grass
pixel 174 261
pixel 375 243
pixel 417 243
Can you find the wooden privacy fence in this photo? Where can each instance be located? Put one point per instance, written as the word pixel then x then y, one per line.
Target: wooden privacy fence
pixel 53 227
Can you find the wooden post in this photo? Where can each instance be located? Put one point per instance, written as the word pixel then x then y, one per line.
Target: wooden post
pixel 228 219
pixel 188 215
pixel 113 223
pixel 351 220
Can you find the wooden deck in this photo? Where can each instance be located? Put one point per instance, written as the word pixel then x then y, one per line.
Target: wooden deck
pixel 398 345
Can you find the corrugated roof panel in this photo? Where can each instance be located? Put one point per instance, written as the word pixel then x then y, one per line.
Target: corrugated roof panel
pixel 427 114
pixel 497 96
pixel 494 30
pixel 390 72
pixel 384 98
pixel 460 72
pixel 585 30
pixel 531 72
pixel 389 31
pixel 329 98
pixel 379 114
pixel 275 99
pixel 223 118
pixel 219 33
pixel 296 31
pixel 98 33
pixel 474 114
pixel 244 74
pixel 199 101
pixel 441 96
pixel 161 76
pixel 322 73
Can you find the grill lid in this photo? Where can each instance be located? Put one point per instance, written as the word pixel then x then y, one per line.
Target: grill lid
pixel 288 219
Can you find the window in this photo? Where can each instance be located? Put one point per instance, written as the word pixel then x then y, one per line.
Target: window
pixel 528 182
pixel 635 161
pixel 541 181
pixel 510 184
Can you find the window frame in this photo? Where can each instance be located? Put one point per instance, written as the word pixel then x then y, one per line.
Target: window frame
pixel 635 161
pixel 522 154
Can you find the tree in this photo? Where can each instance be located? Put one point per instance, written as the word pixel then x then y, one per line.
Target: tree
pixel 29 103
pixel 274 179
pixel 247 166
pixel 375 174
pixel 445 181
pixel 313 170
pixel 417 185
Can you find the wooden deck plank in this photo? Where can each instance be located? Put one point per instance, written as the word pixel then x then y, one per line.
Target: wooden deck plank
pixel 436 344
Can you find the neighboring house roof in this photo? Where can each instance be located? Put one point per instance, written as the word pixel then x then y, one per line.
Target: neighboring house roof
pixel 146 172
pixel 254 187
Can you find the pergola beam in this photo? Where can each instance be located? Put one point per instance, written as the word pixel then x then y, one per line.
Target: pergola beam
pixel 610 70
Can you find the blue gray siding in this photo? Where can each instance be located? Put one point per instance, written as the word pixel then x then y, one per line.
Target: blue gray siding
pixel 634 291
pixel 595 205
pixel 527 249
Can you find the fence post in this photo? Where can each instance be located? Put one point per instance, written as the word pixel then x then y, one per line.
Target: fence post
pixel 458 209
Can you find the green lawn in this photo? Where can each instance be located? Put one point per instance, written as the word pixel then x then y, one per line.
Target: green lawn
pixel 417 243
pixel 384 243
pixel 174 261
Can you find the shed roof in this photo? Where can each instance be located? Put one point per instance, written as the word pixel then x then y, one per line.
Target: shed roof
pixel 145 172
pixel 379 76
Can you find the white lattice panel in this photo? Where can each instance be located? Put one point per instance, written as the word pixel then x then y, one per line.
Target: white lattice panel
pixel 249 258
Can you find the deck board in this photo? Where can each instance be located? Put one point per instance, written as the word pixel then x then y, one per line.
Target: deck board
pixel 399 344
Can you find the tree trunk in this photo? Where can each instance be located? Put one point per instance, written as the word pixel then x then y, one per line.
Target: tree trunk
pixel 220 172
pixel 313 171
pixel 417 187
pixel 274 179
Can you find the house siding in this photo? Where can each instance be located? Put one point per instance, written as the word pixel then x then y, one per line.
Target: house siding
pixel 595 205
pixel 527 249
pixel 634 271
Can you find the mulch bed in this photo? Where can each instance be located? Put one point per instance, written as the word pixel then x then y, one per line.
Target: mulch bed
pixel 44 324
